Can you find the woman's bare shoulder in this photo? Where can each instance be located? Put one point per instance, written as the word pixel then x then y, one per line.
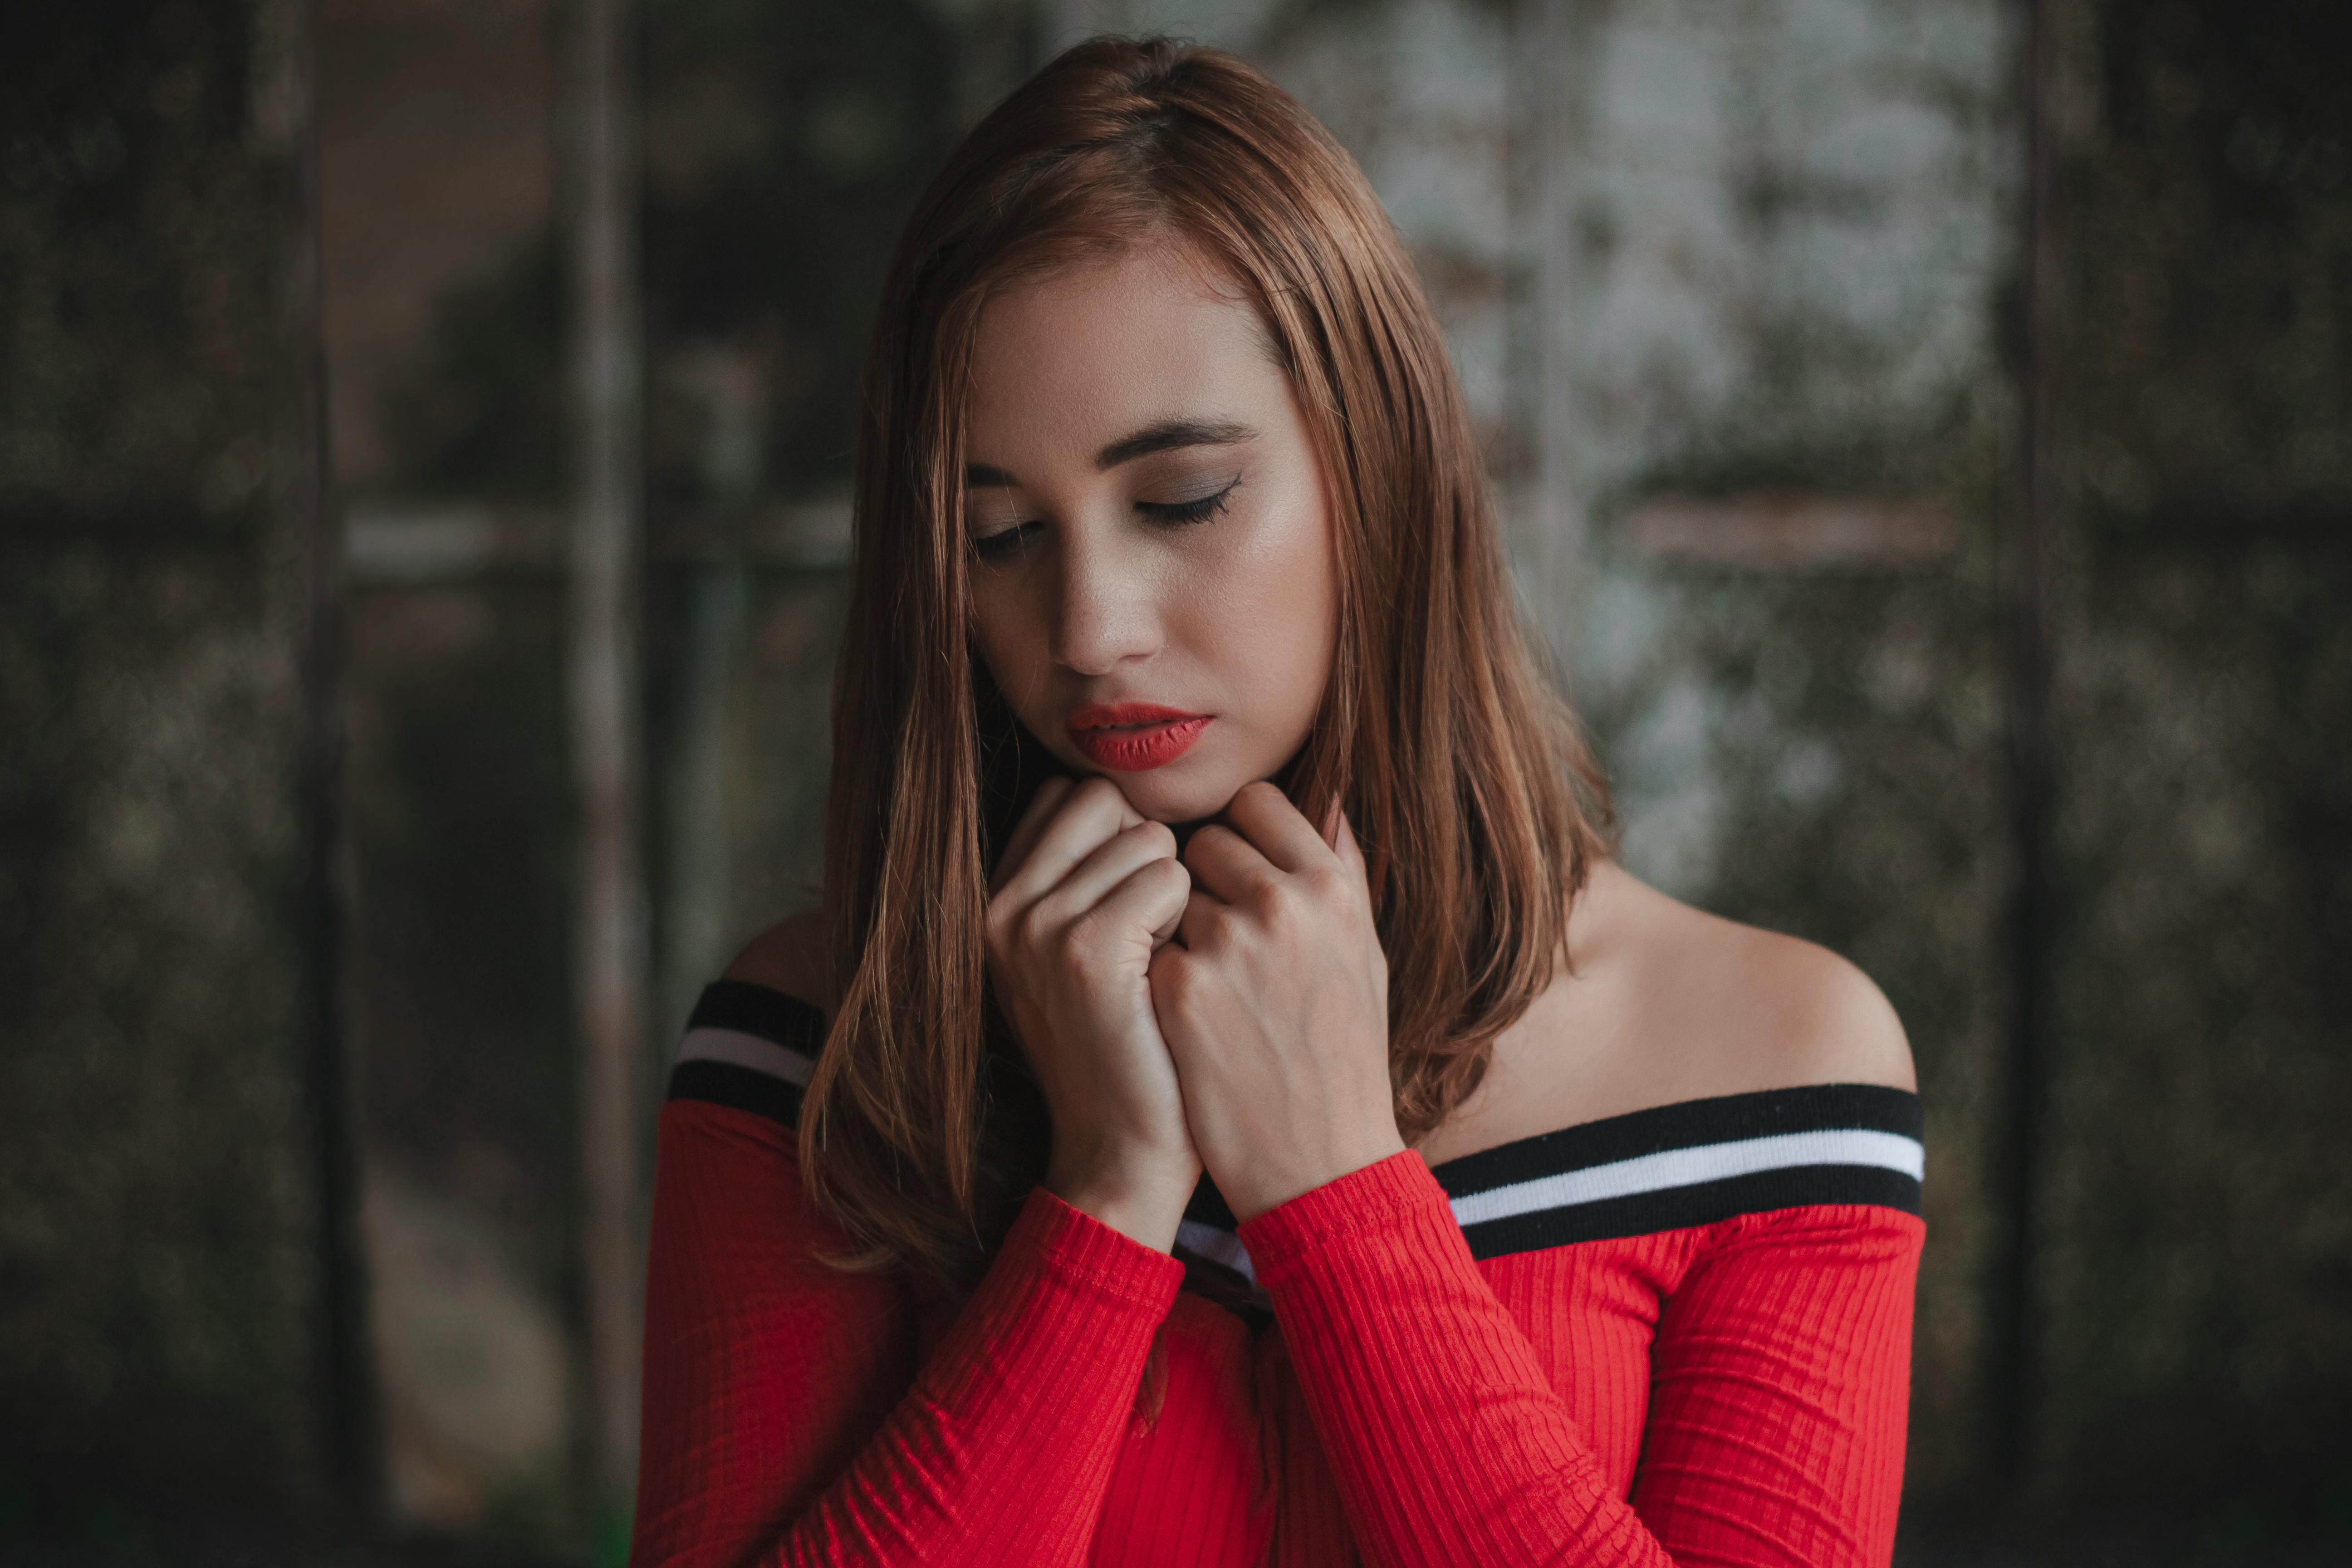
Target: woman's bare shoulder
pixel 1667 1003
pixel 1753 1009
pixel 789 956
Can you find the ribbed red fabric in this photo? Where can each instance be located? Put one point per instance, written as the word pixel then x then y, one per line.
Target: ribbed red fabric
pixel 1729 1394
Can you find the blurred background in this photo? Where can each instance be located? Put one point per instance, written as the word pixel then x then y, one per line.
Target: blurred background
pixel 425 427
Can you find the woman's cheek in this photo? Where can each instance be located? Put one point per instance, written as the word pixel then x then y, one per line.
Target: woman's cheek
pixel 1297 613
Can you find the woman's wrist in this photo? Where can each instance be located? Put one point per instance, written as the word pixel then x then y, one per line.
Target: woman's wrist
pixel 1144 1202
pixel 1271 1183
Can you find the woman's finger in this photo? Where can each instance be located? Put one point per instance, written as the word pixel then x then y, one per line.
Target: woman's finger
pixel 1040 811
pixel 1173 916
pixel 1350 853
pixel 1093 811
pixel 1151 897
pixel 1264 815
pixel 1092 878
pixel 1226 864
pixel 1197 918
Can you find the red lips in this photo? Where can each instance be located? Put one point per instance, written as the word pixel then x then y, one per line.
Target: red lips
pixel 1132 737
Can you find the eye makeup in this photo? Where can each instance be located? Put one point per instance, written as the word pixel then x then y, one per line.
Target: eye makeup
pixel 1006 543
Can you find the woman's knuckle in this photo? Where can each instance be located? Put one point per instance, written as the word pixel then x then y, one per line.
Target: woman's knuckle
pixel 1085 933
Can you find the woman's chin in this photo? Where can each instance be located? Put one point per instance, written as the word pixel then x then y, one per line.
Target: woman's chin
pixel 1177 805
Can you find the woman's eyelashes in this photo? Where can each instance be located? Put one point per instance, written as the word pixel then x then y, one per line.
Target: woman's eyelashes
pixel 1005 542
pixel 1200 509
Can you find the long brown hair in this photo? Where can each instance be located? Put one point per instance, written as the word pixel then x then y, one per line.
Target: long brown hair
pixel 1478 805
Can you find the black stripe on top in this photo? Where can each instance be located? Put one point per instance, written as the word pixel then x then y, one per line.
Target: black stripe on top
pixel 759 1010
pixel 766 1014
pixel 798 1025
pixel 1702 1203
pixel 1688 1125
pixel 738 1089
pixel 1692 1125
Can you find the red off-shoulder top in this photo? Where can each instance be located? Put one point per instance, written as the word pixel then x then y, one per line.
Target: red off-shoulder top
pixel 1678 1336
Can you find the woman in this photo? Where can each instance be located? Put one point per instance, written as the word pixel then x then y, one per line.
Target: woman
pixel 1373 1172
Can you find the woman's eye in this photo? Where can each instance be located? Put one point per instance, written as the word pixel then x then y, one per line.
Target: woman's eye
pixel 1004 542
pixel 1199 509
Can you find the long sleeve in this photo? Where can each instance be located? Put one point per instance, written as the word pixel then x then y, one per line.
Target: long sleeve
pixel 787 1418
pixel 1779 1386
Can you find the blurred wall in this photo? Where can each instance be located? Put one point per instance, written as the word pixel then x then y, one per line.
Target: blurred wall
pixel 2198 1300
pixel 442 325
pixel 160 1256
pixel 1771 428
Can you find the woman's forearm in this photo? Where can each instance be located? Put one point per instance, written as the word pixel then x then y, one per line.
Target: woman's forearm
pixel 1447 1441
pixel 1000 1451
pixel 1775 1427
pixel 757 1448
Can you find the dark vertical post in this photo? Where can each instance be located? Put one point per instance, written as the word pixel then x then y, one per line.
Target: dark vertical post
pixel 697 905
pixel 2031 542
pixel 312 566
pixel 609 953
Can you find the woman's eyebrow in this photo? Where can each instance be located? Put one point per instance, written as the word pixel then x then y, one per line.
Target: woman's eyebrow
pixel 1170 434
pixel 1167 436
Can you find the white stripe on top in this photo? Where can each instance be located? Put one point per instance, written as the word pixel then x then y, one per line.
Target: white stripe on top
pixel 1660 1172
pixel 1688 1167
pixel 709 1044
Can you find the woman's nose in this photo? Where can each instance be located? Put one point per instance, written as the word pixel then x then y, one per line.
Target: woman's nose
pixel 1107 610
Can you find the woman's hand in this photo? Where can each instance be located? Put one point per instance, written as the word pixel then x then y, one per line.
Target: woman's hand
pixel 1275 1006
pixel 1087 888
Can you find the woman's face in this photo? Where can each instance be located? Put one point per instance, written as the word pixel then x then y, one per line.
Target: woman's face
pixel 1149 526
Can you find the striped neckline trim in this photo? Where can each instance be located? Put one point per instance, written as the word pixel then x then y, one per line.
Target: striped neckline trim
pixel 750 1048
pixel 1693 1163
pixel 1672 1167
